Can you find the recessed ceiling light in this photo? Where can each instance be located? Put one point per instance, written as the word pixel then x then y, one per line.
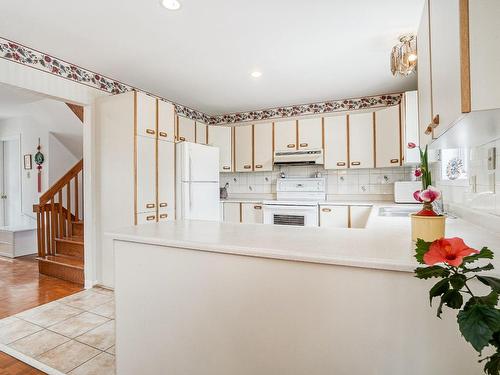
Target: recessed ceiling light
pixel 171 4
pixel 256 74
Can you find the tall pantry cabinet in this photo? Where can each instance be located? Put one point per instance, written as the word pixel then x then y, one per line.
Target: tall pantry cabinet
pixel 135 176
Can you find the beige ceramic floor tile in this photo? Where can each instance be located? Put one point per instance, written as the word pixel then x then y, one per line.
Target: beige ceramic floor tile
pixel 7 321
pixel 107 292
pixel 103 364
pixel 107 310
pixel 17 330
pixel 102 337
pixel 86 300
pixel 111 350
pixel 68 356
pixel 78 325
pixel 38 343
pixel 49 314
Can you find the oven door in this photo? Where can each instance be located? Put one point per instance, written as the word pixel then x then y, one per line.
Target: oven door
pixel 304 216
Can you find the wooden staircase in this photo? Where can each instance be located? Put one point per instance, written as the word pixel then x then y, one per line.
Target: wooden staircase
pixel 60 228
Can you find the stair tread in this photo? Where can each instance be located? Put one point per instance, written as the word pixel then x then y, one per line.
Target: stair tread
pixel 74 239
pixel 63 260
pixel 78 222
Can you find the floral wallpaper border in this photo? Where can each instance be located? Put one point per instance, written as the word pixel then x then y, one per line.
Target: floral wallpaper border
pixel 21 54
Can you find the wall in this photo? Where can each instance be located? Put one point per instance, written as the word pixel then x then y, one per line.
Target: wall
pixel 347 184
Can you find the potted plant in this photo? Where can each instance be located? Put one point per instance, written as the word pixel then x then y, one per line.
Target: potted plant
pixel 426 224
pixel 478 318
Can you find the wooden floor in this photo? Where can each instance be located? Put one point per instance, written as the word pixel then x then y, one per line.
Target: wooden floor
pixel 22 288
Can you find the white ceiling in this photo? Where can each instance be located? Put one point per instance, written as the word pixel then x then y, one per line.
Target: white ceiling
pixel 202 55
pixel 13 100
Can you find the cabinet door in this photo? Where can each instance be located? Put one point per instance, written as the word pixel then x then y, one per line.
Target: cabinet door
pixel 146 174
pixel 388 137
pixel 445 63
pixel 336 142
pixel 361 152
pixel 251 213
pixel 333 216
pixel 424 77
pixel 263 146
pixel 243 153
pixel 201 133
pixel 145 115
pixel 185 129
pixel 221 137
pixel 359 216
pixel 146 218
pixel 166 180
pixel 285 135
pixel 166 121
pixel 232 212
pixel 410 127
pixel 310 133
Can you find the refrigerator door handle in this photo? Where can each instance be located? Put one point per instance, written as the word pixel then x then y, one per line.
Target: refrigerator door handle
pixel 190 200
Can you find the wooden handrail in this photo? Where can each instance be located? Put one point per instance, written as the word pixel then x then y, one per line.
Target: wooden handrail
pixel 63 181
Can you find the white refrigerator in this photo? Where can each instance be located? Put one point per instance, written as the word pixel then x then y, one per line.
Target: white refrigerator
pixel 197 182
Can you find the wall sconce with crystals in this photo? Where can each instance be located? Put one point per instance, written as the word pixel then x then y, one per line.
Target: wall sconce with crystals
pixel 404 55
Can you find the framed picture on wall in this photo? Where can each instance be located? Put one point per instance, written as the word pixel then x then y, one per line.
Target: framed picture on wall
pixel 27 162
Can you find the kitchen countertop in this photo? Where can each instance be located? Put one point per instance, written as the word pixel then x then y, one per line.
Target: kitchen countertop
pixel 384 244
pixel 322 203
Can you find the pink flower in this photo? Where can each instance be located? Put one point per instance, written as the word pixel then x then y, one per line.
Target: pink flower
pixel 416 195
pixel 430 194
pixel 418 172
pixel 411 145
pixel 448 250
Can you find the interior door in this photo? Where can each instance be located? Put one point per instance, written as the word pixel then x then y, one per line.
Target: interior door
pixel 2 187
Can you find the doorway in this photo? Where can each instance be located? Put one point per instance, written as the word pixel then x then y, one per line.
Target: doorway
pixel 10 182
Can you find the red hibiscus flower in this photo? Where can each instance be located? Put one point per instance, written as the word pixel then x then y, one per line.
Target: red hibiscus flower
pixel 448 250
pixel 411 145
pixel 418 172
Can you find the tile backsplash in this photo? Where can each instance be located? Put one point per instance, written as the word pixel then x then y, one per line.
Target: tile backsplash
pixel 479 187
pixel 367 184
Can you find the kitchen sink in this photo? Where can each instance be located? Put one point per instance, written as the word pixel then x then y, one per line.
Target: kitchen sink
pixel 402 211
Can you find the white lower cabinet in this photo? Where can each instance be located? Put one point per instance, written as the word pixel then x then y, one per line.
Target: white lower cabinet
pixel 146 174
pixel 359 216
pixel 331 216
pixel 232 212
pixel 251 213
pixel 166 180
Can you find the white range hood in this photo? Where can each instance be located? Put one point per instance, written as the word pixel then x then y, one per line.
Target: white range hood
pixel 299 157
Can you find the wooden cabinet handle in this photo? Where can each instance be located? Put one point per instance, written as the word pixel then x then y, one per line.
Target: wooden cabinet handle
pixel 162 134
pixel 326 209
pixel 291 145
pixel 150 218
pixel 226 168
pixel 247 166
pixel 341 164
pixel 163 216
pixel 304 144
pixel 435 120
pixel 258 166
pixel 150 205
pixel 257 207
pixel 182 139
pixel 428 131
pixel 150 131
pixel 163 204
pixel 394 161
pixel 355 163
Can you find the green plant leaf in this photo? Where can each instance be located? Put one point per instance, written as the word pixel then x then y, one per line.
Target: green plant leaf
pixel 488 267
pixel 478 323
pixel 453 299
pixel 492 366
pixel 492 282
pixel 457 281
pixel 432 271
pixel 484 253
pixel 438 289
pixel 490 300
pixel 421 249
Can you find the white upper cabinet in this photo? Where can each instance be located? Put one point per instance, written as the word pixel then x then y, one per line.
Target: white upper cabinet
pixel 336 142
pixel 251 213
pixel 310 132
pixel 285 135
pixel 388 137
pixel 166 121
pixel 263 147
pixel 185 129
pixel 221 137
pixel 410 127
pixel 146 174
pixel 145 115
pixel 166 180
pixel 201 133
pixel 361 152
pixel 243 152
